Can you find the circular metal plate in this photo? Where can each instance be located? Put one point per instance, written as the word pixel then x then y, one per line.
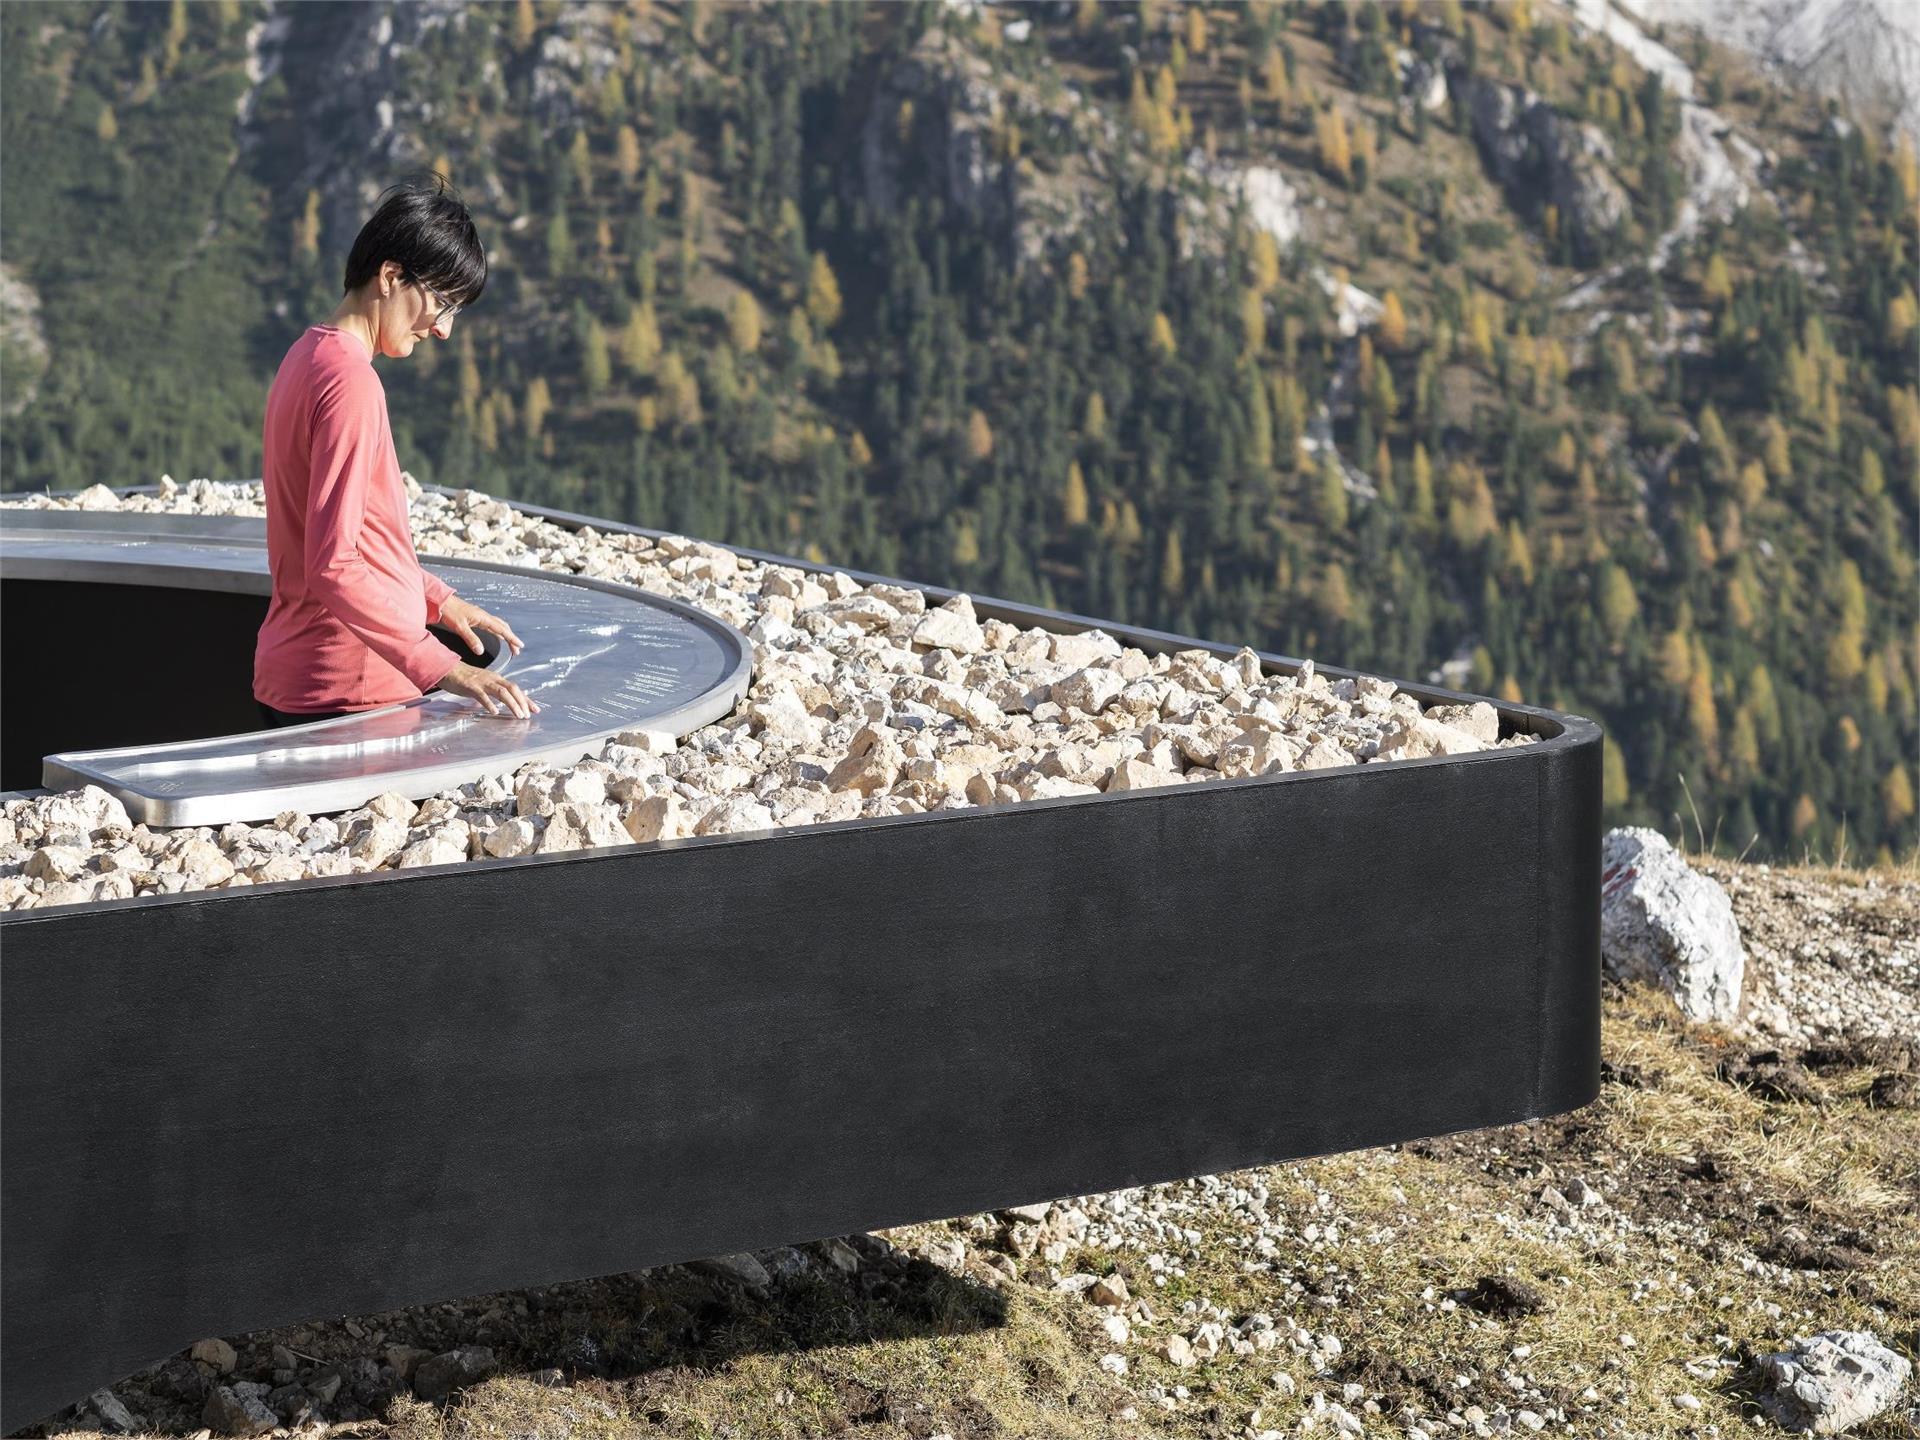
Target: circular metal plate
pixel 600 658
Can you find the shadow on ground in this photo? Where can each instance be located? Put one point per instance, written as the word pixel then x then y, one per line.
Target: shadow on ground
pixel 699 1316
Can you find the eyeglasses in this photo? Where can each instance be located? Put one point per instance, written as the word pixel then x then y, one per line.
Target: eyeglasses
pixel 447 311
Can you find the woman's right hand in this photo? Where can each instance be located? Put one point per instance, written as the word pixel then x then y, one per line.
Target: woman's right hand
pixel 489 689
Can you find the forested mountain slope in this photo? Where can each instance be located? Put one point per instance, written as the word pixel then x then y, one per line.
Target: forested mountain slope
pixel 1521 345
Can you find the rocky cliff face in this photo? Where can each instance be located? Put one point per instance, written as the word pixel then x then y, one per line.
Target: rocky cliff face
pixel 1864 52
pixel 347 101
pixel 936 110
pixel 1542 157
pixel 23 348
pixel 941 111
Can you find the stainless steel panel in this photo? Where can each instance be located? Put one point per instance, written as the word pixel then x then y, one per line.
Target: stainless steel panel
pixel 599 658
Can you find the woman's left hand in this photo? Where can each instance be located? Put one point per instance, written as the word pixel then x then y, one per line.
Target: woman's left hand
pixel 463 618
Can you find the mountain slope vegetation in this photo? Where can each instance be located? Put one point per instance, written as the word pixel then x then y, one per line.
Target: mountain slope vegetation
pixel 1446 341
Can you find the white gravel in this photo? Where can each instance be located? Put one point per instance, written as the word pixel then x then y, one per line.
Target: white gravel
pixel 865 702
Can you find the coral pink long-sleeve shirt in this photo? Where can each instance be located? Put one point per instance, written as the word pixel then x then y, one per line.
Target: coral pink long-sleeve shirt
pixel 346 628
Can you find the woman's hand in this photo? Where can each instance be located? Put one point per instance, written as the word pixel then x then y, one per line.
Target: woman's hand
pixel 474 681
pixel 489 689
pixel 463 618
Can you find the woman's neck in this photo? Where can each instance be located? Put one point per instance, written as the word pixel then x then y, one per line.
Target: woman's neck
pixel 354 324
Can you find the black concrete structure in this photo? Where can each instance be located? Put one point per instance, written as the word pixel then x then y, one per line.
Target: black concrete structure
pixel 221 1111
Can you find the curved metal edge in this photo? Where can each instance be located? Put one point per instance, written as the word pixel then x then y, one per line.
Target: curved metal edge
pixel 249 531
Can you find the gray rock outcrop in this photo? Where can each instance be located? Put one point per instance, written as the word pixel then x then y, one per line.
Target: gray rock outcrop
pixel 1830 1382
pixel 1665 924
pixel 1543 157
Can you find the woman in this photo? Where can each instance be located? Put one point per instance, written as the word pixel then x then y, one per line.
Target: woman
pixel 347 626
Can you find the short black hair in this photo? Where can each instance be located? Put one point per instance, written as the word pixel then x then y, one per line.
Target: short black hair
pixel 422 226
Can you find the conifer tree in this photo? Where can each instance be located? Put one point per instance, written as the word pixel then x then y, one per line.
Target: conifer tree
pixel 1335 593
pixel 1330 494
pixel 1423 501
pixel 1619 606
pixel 1717 284
pixel 640 340
pixel 537 406
pixel 744 323
pixel 1172 566
pixel 1093 423
pixel 1393 323
pixel 966 544
pixel 559 246
pixel 679 391
pixel 1073 503
pixel 1253 322
pixel 595 367
pixel 1333 145
pixel 580 163
pixel 1896 795
pixel 1614 791
pixel 979 436
pixel 823 293
pixel 626 154
pixel 174 37
pixel 469 391
pixel 1805 815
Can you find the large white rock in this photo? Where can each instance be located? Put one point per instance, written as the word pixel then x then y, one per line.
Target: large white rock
pixel 202 862
pixel 88 810
pixel 1830 1382
pixel 1091 689
pixel 514 837
pixel 96 497
pixel 1139 775
pixel 1415 737
pixel 873 761
pixel 951 627
pixel 1255 752
pixel 1664 923
pixel 735 815
pixel 657 817
pixel 1085 647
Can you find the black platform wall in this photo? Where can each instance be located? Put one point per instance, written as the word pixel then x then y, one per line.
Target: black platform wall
pixel 156 663
pixel 229 1110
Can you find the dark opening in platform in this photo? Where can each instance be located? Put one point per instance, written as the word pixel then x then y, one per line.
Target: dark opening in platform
pixel 90 665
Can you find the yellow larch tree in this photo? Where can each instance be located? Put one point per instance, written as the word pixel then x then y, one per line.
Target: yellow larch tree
pixel 640 340
pixel 1161 334
pixel 1173 570
pixel 1333 145
pixel 1393 323
pixel 539 402
pixel 979 435
pixel 745 323
pixel 823 293
pixel 1073 499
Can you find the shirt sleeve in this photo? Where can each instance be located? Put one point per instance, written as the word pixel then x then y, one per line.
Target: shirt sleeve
pixel 344 455
pixel 438 593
